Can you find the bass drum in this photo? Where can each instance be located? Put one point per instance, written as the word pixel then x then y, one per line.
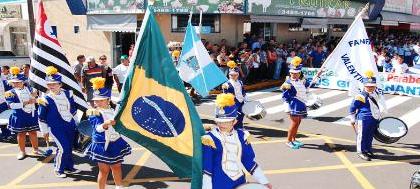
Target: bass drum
pixel 390 130
pixel 254 110
pixel 251 186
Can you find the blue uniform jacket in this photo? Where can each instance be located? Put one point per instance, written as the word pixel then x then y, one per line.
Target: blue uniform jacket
pixel 48 111
pixel 361 107
pixel 212 160
pixel 290 92
pixel 231 90
pixel 95 118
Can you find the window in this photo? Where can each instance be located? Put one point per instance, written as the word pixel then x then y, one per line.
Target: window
pixel 296 28
pixel 180 21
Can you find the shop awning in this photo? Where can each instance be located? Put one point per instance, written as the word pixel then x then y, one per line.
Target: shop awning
pixel 112 23
pixel 399 17
pixel 324 22
pixel 274 19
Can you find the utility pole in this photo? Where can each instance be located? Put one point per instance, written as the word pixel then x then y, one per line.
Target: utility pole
pixel 31 19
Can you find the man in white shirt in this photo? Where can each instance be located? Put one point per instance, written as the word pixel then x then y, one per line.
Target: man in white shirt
pixel 120 72
pixel 417 48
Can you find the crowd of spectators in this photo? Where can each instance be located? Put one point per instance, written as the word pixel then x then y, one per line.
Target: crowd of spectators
pixel 262 60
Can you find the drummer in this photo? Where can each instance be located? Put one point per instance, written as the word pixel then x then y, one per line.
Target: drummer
pixel 226 151
pixel 295 90
pixel 365 115
pixel 236 87
pixel 57 113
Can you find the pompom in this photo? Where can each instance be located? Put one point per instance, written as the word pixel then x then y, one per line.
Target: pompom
pixel 51 70
pixel 231 64
pixel 176 53
pixel 224 100
pixel 296 61
pixel 98 83
pixel 14 70
pixel 369 74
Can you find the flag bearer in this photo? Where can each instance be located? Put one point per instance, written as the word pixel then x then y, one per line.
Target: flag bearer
pixel 57 111
pixel 108 149
pixel 236 87
pixel 24 119
pixel 226 151
pixel 365 114
pixel 295 90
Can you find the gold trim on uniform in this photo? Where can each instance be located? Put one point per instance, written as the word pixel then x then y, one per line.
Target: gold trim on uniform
pixel 208 141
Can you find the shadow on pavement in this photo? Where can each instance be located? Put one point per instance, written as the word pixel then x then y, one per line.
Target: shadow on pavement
pixel 263 132
pixel 327 119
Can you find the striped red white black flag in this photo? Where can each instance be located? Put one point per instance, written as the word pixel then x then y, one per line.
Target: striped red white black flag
pixel 47 51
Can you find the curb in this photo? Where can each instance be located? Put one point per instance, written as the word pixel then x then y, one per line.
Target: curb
pixel 257 86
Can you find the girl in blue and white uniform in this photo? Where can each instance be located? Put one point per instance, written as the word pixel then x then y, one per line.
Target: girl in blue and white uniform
pixel 108 149
pixel 24 119
pixel 295 90
pixel 57 111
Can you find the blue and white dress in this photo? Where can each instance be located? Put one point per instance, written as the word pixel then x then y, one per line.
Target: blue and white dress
pixel 225 156
pixel 56 116
pixel 237 89
pixel 107 145
pixel 365 112
pixel 295 95
pixel 23 118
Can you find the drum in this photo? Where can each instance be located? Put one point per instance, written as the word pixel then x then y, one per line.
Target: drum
pixel 415 180
pixel 314 102
pixel 85 128
pixel 254 110
pixel 251 186
pixel 4 117
pixel 390 130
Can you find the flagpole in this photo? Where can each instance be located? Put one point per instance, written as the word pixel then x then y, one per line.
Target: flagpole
pixel 197 54
pixel 321 70
pixel 201 18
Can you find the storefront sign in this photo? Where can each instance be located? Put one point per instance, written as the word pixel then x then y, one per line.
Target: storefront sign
pixel 207 6
pixel 407 84
pixel 306 8
pixel 115 7
pixel 10 11
pixel 401 6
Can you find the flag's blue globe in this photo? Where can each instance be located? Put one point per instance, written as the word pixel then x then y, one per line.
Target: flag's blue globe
pixel 158 116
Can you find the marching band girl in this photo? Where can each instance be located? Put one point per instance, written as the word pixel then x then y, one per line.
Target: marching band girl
pixel 5 133
pixel 365 114
pixel 236 87
pixel 295 95
pixel 57 111
pixel 108 149
pixel 226 151
pixel 24 119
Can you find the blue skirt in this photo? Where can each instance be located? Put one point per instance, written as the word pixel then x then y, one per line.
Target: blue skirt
pixel 114 154
pixel 21 121
pixel 297 108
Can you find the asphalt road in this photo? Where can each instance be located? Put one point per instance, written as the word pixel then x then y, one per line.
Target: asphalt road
pixel 327 161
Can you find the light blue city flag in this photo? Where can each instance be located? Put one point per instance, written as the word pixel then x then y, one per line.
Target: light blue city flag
pixel 156 110
pixel 196 67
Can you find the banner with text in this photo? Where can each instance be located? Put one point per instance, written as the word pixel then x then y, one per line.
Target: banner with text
pixel 207 6
pixel 115 7
pixel 407 84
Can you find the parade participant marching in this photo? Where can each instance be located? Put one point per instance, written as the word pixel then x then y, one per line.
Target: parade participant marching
pixel 5 133
pixel 295 90
pixel 24 119
pixel 57 111
pixel 365 115
pixel 108 149
pixel 226 151
pixel 236 87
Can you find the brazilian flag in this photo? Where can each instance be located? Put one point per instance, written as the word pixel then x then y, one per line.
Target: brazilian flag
pixel 155 109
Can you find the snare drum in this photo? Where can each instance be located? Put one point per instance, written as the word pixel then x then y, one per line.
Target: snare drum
pixel 314 102
pixel 85 128
pixel 254 110
pixel 251 186
pixel 4 117
pixel 390 130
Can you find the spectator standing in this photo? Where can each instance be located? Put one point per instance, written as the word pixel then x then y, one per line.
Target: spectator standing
pixel 121 71
pixel 257 44
pixel 272 60
pixel 89 71
pixel 77 70
pixel 109 80
pixel 400 67
pixel 254 66
pixel 317 57
pixel 263 63
pixel 222 60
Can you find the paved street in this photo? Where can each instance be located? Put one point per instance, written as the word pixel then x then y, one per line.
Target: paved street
pixel 327 161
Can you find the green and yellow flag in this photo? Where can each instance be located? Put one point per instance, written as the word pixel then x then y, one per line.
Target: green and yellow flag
pixel 156 110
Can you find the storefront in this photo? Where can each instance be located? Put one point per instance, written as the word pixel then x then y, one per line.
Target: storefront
pixel 14 35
